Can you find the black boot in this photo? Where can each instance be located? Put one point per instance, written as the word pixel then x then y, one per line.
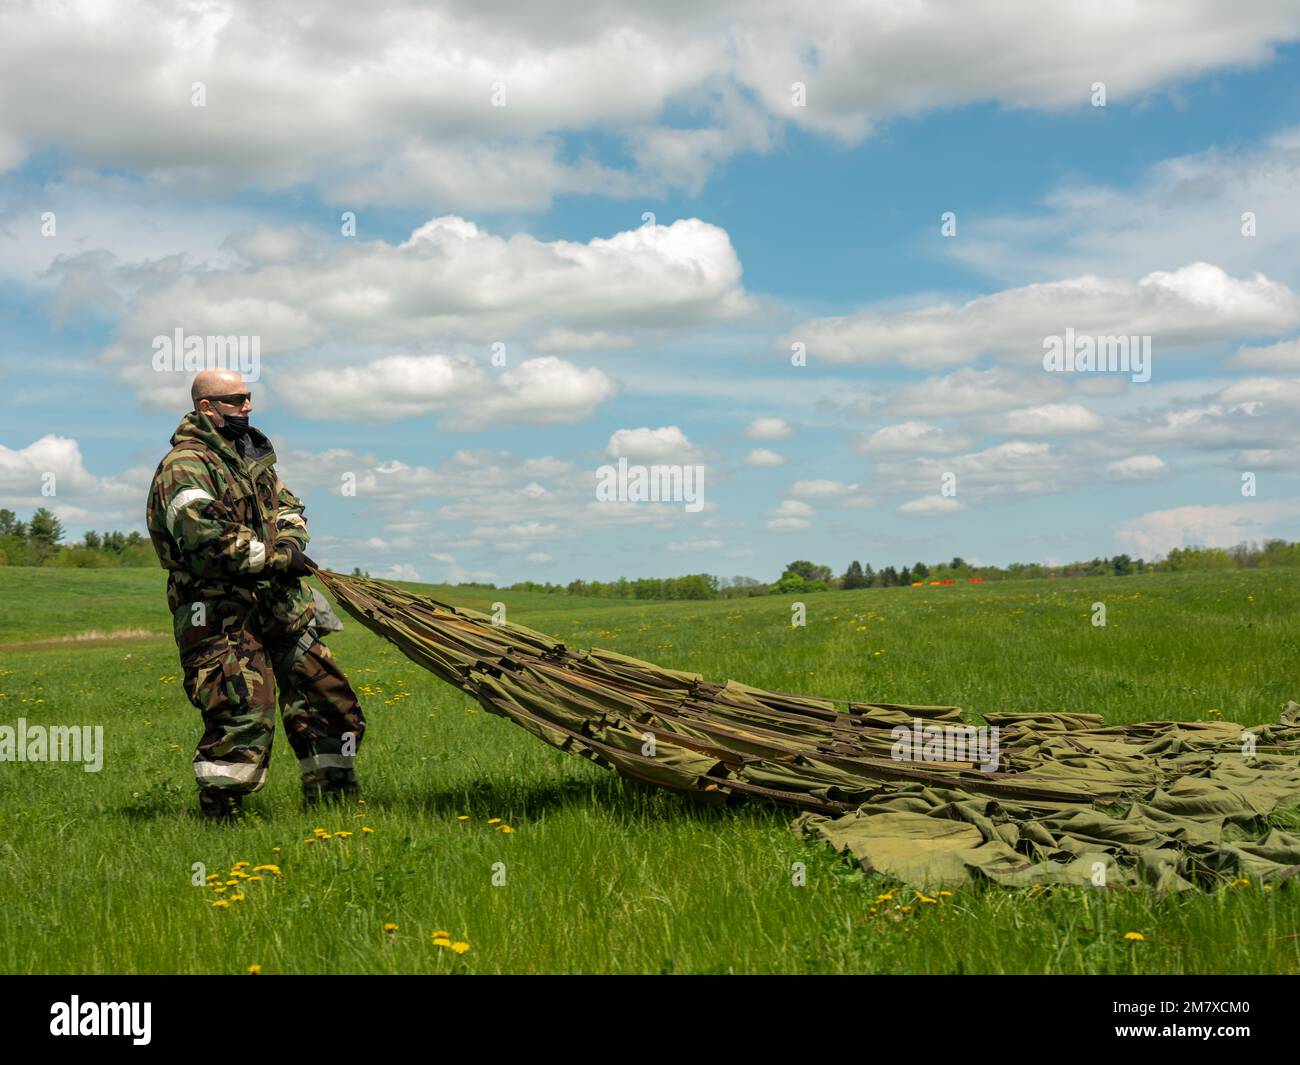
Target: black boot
pixel 346 795
pixel 220 805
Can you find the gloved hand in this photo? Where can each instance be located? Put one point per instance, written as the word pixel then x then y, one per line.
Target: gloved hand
pixel 297 564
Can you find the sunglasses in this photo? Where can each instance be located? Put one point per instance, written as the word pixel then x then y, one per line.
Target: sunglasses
pixel 236 400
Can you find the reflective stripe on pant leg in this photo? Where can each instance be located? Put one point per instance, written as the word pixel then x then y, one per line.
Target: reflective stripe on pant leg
pixel 326 761
pixel 236 775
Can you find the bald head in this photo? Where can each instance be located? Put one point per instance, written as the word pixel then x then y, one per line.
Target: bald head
pixel 221 394
pixel 209 383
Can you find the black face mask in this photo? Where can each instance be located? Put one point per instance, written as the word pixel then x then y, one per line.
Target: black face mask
pixel 234 427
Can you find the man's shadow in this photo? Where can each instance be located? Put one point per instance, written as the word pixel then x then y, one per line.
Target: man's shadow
pixel 627 801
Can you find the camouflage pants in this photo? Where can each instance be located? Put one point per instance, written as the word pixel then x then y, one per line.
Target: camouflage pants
pixel 235 688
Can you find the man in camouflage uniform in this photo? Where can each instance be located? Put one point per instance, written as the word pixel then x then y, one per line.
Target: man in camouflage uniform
pixel 231 537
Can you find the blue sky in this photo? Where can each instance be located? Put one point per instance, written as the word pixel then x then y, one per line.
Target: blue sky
pixel 667 343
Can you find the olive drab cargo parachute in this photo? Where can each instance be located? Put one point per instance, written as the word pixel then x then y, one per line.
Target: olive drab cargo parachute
pixel 226 528
pixel 1173 805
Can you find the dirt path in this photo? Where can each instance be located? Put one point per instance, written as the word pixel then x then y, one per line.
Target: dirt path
pixel 92 638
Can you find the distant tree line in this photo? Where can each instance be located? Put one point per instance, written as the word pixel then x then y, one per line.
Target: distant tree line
pixel 38 543
pixel 802 576
pixel 692 586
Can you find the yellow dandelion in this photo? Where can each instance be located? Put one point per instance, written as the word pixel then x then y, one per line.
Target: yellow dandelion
pixel 239 865
pixel 252 878
pixel 219 889
pixel 236 898
pixel 311 840
pixel 390 927
pixel 441 941
pixel 366 828
pixel 460 947
pixel 229 882
pixel 221 903
pixel 268 868
pixel 506 828
pixel 462 817
pixel 888 896
pixel 945 894
pixel 254 969
pixel 276 850
pixel 343 835
pixel 1135 936
pixel 494 820
pixel 906 909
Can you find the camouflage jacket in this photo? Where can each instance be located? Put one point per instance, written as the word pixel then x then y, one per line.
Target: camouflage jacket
pixel 221 524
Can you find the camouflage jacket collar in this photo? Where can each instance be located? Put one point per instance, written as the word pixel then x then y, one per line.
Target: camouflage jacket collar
pixel 258 454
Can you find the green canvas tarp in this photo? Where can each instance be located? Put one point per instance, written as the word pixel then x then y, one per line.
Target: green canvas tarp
pixel 1172 805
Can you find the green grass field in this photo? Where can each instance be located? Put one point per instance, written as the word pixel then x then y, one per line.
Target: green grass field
pixel 601 875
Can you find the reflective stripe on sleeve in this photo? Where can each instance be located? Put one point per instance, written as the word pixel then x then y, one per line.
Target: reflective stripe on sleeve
pixel 180 501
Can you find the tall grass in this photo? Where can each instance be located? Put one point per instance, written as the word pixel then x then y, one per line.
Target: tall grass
pixel 599 874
